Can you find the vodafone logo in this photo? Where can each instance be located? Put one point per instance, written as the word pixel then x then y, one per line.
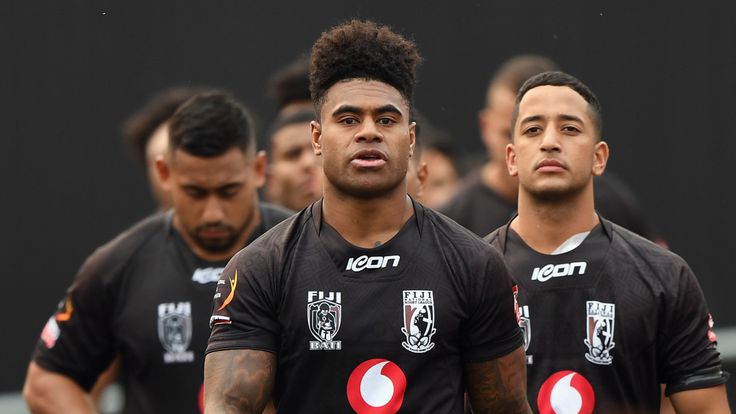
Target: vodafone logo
pixel 376 386
pixel 566 392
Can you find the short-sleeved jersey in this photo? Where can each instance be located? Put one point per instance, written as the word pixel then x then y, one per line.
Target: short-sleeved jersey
pixel 146 297
pixel 367 330
pixel 480 209
pixel 609 321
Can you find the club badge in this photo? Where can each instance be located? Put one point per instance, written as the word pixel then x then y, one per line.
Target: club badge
pixel 175 331
pixel 599 340
pixel 324 315
pixel 418 320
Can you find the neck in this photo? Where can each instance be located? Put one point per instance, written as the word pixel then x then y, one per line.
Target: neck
pixel 544 225
pixel 211 256
pixel 495 176
pixel 366 222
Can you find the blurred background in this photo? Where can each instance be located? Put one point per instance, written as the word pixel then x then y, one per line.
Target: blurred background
pixel 72 72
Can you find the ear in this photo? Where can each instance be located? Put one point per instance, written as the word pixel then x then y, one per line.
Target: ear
pixel 600 158
pixel 163 169
pixel 511 160
pixel 412 137
pixel 422 174
pixel 259 168
pixel 316 137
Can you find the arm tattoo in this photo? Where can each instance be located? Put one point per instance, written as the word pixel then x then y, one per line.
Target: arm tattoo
pixel 499 385
pixel 238 381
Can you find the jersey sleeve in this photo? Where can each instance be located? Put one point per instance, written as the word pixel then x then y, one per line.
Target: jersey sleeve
pixel 244 312
pixel 77 341
pixel 689 358
pixel 491 330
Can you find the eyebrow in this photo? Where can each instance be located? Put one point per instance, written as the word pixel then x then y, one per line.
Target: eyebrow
pixel 388 108
pixel 564 117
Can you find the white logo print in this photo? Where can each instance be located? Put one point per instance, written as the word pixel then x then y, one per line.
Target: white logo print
pixel 599 338
pixel 175 331
pixel 357 264
pixel 376 386
pixel 566 392
pixel 418 320
pixel 324 315
pixel 549 271
pixel 207 275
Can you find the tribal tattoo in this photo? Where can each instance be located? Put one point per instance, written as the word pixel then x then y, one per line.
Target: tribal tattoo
pixel 238 381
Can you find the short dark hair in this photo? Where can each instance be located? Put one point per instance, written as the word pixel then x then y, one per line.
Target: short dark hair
pixel 301 116
pixel 211 123
pixel 555 78
pixel 516 70
pixel 291 83
pixel 138 129
pixel 362 50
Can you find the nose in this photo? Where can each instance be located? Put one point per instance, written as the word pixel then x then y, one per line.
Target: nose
pixel 368 131
pixel 213 212
pixel 550 141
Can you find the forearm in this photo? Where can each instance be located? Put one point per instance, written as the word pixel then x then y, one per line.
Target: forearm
pixel 711 400
pixel 49 392
pixel 238 381
pixel 499 385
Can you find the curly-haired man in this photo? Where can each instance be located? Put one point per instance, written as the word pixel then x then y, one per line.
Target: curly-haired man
pixel 405 309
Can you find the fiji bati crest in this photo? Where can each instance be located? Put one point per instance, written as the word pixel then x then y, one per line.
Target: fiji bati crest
pixel 324 315
pixel 175 331
pixel 599 339
pixel 418 320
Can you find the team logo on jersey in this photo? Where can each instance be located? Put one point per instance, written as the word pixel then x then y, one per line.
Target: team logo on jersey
pixel 545 273
pixel 711 334
pixel 50 333
pixel 207 275
pixel 522 318
pixel 51 330
pixel 231 295
pixel 175 331
pixel 418 320
pixel 566 392
pixel 525 323
pixel 599 339
pixel 376 386
pixel 358 264
pixel 324 315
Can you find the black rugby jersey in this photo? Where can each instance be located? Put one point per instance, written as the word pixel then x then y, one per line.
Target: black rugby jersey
pixel 481 210
pixel 605 323
pixel 367 330
pixel 146 297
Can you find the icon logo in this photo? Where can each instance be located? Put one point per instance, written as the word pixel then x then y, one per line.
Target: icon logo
pixel 418 320
pixel 599 338
pixel 207 275
pixel 175 331
pixel 545 273
pixel 376 386
pixel 324 315
pixel 357 264
pixel 566 392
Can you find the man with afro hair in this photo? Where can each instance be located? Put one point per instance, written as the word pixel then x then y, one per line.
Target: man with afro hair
pixel 420 309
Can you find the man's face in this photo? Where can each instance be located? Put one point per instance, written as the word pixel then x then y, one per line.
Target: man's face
pixel 555 152
pixel 365 138
pixel 295 176
pixel 214 198
pixel 495 120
